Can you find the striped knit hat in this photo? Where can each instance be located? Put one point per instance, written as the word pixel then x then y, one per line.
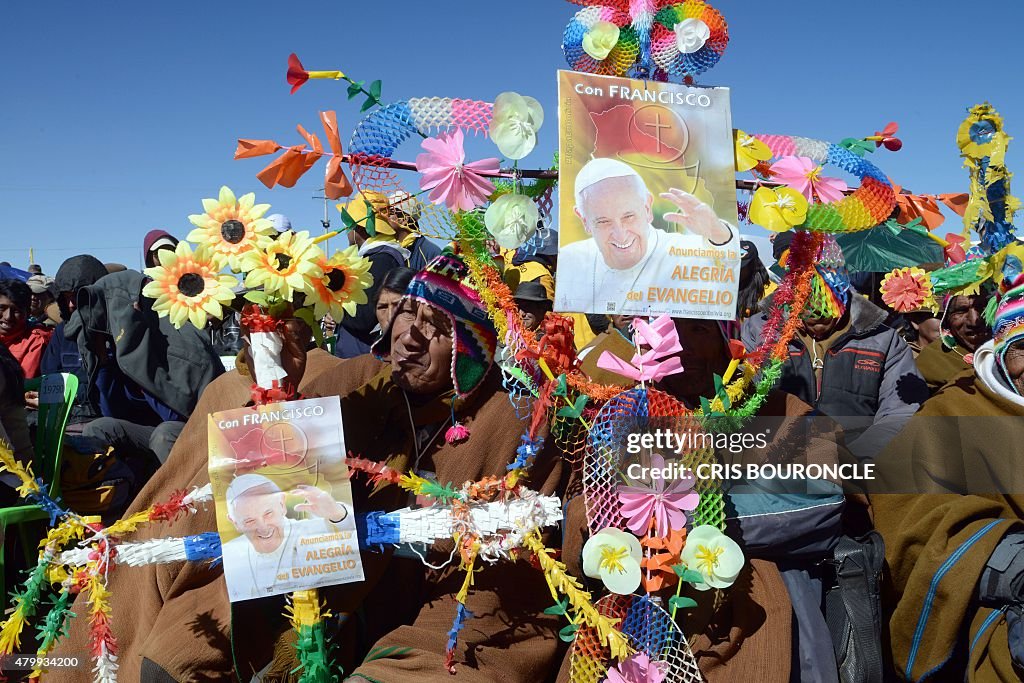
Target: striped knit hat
pixel 1008 325
pixel 445 285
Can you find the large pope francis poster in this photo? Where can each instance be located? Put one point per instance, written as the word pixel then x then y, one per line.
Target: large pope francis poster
pixel 647 209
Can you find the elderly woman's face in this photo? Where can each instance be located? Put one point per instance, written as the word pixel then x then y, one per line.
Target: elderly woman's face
pixel 1013 362
pixel 387 302
pixel 421 348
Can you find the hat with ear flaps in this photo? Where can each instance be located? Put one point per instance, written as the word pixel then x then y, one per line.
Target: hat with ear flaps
pixel 1008 319
pixel 445 284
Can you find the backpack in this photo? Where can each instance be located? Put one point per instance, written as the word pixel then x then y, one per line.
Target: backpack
pixel 853 608
pixel 95 480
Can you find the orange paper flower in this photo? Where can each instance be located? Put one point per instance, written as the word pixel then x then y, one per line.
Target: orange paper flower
pixel 907 290
pixel 658 572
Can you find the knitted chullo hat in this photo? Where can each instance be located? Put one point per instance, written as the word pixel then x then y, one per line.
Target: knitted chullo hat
pixel 1008 324
pixel 444 284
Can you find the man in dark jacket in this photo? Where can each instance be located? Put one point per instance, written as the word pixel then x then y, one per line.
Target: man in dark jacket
pixel 845 362
pixel 145 375
pixel 61 354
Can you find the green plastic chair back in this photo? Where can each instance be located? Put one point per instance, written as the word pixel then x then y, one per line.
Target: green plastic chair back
pixel 56 397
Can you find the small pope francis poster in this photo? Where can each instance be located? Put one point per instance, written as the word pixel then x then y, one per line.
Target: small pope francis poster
pixel 283 498
pixel 647 201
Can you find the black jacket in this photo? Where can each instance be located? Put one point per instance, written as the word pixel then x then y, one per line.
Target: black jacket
pixel 173 366
pixel 869 382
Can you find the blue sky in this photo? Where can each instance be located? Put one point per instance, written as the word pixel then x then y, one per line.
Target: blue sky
pixel 120 116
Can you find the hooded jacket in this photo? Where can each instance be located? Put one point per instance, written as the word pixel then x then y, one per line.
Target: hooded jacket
pixel 151 238
pixel 171 365
pixel 61 354
pixel 869 382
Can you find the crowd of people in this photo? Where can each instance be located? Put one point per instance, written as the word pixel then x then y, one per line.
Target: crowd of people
pixel 419 355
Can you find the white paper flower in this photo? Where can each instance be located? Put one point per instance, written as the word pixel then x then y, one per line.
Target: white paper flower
pixel 600 39
pixel 614 557
pixel 515 121
pixel 512 219
pixel 691 35
pixel 716 556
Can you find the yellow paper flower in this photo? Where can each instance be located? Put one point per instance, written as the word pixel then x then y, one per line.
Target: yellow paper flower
pixel 284 266
pixel 342 287
pixel 512 219
pixel 188 286
pixel 600 39
pixel 515 121
pixel 717 557
pixel 750 151
pixel 779 209
pixel 231 227
pixel 613 556
pixel 908 289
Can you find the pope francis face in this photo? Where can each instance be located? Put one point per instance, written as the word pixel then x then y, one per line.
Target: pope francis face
pixel 617 212
pixel 259 515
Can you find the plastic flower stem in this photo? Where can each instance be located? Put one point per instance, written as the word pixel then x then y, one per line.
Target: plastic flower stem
pixel 550 376
pixel 679 591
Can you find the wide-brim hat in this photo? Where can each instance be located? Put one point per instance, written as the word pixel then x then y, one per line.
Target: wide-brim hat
pixel 531 291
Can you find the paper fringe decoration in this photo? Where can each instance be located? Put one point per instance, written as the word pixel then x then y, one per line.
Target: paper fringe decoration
pixel 869 205
pixel 314 652
pixel 54 627
pixel 983 143
pixel 25 604
pixel 561 582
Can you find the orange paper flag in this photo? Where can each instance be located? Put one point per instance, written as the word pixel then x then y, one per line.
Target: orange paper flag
pixel 336 183
pixel 255 148
pixel 295 161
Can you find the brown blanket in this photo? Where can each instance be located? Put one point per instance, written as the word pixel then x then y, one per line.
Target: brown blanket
pixel 939 365
pixel 178 616
pixel 937 543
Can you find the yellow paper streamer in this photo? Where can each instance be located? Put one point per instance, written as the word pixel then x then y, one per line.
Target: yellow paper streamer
pixel 468 581
pixel 579 599
pixel 8 463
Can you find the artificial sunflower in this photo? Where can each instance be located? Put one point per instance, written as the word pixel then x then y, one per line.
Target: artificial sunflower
pixel 343 284
pixel 188 286
pixel 231 227
pixel 283 266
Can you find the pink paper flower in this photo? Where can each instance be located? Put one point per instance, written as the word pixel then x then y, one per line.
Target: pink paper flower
pixel 662 342
pixel 667 507
pixel 638 669
pixel 452 181
pixel 804 176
